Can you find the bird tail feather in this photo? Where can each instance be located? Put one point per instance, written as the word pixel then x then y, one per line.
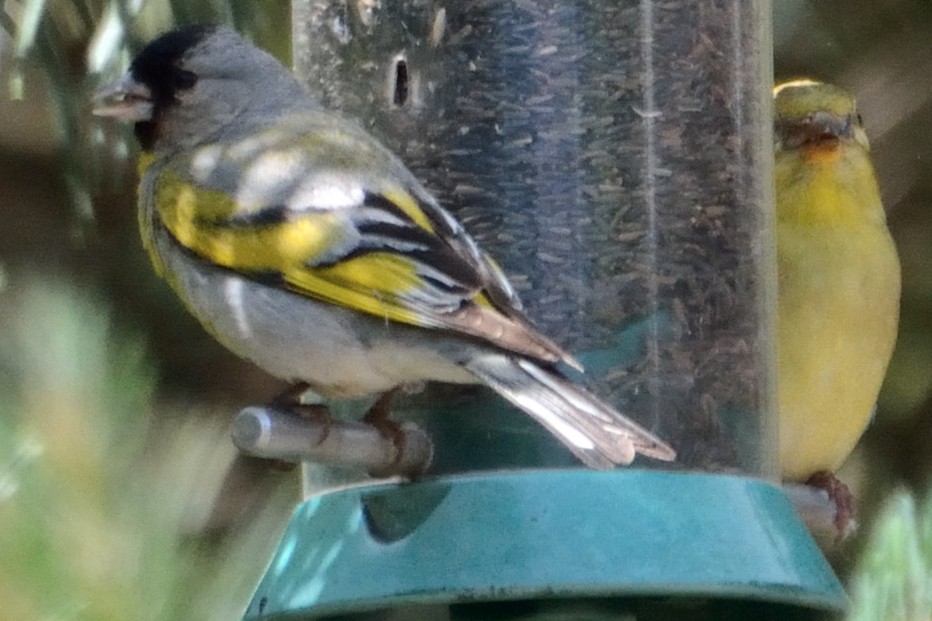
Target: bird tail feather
pixel 595 432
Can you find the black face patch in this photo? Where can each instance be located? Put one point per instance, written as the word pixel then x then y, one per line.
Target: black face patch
pixel 157 67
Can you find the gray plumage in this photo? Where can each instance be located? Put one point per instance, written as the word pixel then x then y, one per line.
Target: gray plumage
pixel 257 200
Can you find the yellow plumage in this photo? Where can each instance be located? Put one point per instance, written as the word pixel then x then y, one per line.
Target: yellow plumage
pixel 839 278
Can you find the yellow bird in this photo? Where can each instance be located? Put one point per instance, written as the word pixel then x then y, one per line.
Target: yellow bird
pixel 839 280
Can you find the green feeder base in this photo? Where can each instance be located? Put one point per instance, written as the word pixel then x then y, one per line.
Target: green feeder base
pixel 550 544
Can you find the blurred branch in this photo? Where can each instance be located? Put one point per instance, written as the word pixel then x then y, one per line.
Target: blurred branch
pixel 75 42
pixel 7 23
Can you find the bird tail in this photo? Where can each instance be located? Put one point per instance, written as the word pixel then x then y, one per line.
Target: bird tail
pixel 594 431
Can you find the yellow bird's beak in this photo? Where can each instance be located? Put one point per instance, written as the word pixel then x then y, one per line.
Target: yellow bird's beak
pixel 125 99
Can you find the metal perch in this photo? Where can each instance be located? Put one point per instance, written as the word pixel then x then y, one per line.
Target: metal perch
pixel 280 433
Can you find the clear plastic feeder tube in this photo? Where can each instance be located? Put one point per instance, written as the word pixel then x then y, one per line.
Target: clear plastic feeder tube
pixel 614 157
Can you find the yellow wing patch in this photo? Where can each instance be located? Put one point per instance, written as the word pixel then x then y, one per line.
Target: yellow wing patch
pixel 406 203
pixel 194 216
pixel 370 283
pixel 145 160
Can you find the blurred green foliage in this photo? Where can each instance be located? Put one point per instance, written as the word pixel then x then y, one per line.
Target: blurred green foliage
pixel 893 581
pixel 101 504
pixel 119 498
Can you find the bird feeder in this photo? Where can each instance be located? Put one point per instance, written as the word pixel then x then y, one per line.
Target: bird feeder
pixel 616 159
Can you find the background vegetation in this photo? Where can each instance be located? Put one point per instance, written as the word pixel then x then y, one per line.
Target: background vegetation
pixel 120 497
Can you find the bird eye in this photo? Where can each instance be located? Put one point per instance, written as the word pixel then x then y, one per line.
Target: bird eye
pixel 184 79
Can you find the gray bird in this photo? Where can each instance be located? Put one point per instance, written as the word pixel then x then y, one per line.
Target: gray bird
pixel 306 247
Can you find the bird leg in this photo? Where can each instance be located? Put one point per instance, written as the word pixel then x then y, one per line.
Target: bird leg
pixel 379 416
pixel 841 496
pixel 289 400
pixel 291 395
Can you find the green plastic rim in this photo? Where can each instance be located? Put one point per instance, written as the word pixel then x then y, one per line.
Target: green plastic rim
pixel 522 535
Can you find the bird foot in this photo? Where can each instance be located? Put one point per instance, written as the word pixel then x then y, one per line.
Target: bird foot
pixel 291 395
pixel 379 416
pixel 289 401
pixel 844 501
pixel 380 412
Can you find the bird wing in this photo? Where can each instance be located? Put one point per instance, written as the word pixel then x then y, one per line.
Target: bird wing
pixel 371 244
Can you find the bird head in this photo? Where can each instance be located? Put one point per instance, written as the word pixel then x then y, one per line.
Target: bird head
pixel 816 117
pixel 190 84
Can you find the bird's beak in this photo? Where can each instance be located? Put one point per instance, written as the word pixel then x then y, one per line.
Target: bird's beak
pixel 126 100
pixel 818 129
pixel 827 124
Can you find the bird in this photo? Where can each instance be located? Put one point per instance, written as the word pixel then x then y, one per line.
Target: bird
pixel 305 246
pixel 838 282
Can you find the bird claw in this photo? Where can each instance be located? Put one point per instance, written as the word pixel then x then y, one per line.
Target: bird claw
pixel 292 395
pixel 379 416
pixel 845 503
